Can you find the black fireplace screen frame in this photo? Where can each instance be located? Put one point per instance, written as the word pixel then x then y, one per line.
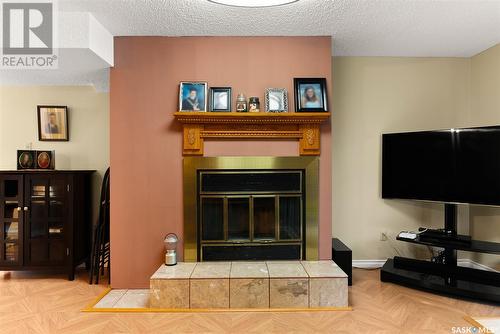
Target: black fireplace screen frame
pixel 221 187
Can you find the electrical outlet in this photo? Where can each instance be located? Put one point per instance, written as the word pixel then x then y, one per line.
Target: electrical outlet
pixel 383 236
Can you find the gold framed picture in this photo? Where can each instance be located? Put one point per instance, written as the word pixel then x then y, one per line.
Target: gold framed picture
pixel 53 123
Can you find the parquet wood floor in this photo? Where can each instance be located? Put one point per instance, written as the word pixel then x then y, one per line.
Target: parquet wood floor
pixel 36 303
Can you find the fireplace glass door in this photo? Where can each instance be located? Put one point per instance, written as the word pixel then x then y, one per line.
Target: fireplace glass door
pixel 238 219
pixel 251 215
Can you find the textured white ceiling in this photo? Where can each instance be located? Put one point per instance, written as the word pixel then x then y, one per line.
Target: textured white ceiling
pixel 78 66
pixel 85 53
pixel 437 28
pixel 419 28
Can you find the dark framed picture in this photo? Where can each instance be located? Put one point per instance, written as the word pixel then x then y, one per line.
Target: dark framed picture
pixel 53 123
pixel 26 159
pixel 310 94
pixel 220 99
pixel 193 96
pixel 45 160
pixel 276 100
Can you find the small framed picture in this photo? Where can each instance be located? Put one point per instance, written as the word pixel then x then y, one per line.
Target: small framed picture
pixel 193 96
pixel 26 159
pixel 220 98
pixel 310 94
pixel 45 159
pixel 53 123
pixel 276 100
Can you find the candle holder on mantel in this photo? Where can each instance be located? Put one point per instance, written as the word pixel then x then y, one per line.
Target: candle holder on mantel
pixel 241 103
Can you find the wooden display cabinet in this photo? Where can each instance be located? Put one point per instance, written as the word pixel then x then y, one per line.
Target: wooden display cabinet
pixel 45 220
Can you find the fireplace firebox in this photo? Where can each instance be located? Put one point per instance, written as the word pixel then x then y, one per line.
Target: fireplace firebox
pixel 250 215
pixel 250 208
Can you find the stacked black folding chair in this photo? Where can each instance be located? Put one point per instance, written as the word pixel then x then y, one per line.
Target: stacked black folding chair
pixel 100 256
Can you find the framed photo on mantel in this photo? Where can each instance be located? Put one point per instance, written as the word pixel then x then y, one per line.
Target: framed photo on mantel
pixel 220 98
pixel 310 95
pixel 276 100
pixel 193 96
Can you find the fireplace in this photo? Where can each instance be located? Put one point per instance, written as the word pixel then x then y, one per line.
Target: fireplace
pixel 250 215
pixel 250 208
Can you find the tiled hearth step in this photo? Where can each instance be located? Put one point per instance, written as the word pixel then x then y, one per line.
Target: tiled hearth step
pixel 266 284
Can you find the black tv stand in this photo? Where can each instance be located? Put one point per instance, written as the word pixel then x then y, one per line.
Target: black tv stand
pixel 442 235
pixel 446 277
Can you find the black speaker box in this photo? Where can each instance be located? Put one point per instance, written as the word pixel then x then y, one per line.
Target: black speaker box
pixel 342 256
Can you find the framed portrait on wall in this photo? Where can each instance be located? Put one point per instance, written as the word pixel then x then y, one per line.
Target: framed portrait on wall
pixel 220 98
pixel 193 96
pixel 310 95
pixel 53 123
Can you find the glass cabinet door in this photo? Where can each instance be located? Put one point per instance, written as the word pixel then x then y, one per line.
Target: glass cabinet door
pixel 11 219
pixel 46 197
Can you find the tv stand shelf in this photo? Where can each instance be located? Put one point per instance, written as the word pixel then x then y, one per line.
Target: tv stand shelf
pixel 456 281
pixel 446 277
pixel 472 246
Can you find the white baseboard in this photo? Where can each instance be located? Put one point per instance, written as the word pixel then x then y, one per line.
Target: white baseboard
pixel 368 264
pixel 374 264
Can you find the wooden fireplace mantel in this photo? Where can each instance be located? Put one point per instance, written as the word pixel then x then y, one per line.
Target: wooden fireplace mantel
pixel 304 127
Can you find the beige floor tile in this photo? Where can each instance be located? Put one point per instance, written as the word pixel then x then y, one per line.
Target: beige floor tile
pixel 180 271
pixel 249 293
pixel 111 298
pixel 134 298
pixel 169 293
pixel 326 268
pixel 209 293
pixel 288 292
pixel 249 269
pixel 212 270
pixel 328 292
pixel 286 269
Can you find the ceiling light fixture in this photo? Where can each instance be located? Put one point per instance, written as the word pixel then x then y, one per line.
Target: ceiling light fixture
pixel 253 3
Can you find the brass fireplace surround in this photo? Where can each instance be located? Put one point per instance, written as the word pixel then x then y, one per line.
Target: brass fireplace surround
pixel 193 164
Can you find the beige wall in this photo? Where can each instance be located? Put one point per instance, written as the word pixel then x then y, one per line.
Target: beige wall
pixel 374 95
pixel 88 147
pixel 485 110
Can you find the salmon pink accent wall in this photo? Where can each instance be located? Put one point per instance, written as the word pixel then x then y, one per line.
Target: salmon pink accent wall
pixel 146 142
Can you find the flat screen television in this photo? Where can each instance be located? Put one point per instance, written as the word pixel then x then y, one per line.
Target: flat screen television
pixel 450 166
